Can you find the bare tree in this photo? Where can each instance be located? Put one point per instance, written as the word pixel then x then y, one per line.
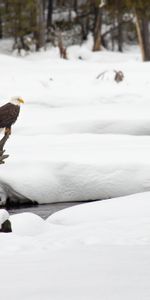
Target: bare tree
pixel 97 28
pixel 143 33
pixel 40 25
pixel 98 10
pixel 62 49
pixel 119 21
pixel 50 13
pixel 75 5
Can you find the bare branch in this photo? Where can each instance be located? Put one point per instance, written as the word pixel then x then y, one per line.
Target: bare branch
pixel 115 75
pixel 116 27
pixel 101 75
pixel 2 144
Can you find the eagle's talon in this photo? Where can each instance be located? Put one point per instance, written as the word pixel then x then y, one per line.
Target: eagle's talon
pixel 7 131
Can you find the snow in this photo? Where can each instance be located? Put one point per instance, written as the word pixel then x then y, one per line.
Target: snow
pixel 4 216
pixel 122 220
pixel 97 250
pixel 27 224
pixel 60 16
pixel 77 167
pixel 77 137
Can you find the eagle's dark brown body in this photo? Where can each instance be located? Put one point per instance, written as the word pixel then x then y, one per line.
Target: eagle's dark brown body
pixel 8 115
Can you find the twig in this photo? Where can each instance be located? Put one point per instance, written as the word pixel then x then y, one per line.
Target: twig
pixel 101 75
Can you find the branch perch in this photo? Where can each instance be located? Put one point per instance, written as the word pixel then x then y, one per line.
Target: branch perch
pixel 2 144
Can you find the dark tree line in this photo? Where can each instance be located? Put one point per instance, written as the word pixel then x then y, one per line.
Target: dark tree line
pixel 111 22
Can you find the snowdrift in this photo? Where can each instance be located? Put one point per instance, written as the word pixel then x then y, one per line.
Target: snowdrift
pixel 77 137
pixel 91 251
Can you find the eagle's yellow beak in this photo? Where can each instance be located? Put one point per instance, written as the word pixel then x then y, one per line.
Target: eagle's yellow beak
pixel 21 100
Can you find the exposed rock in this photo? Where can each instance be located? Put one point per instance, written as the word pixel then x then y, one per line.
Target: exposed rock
pixel 11 198
pixel 6 227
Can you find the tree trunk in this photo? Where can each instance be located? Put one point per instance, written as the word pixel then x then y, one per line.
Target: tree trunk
pixel 1 30
pixel 146 38
pixel 112 37
pixel 142 28
pixel 118 8
pixel 75 5
pixel 97 29
pixel 50 13
pixel 40 31
pixel 120 37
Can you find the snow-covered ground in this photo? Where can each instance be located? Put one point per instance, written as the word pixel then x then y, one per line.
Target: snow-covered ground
pixel 98 250
pixel 77 137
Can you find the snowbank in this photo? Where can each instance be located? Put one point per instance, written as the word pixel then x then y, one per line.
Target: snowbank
pixel 27 224
pixel 71 141
pixel 122 220
pixel 99 250
pixel 76 167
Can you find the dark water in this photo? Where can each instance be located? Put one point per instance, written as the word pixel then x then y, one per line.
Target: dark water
pixel 44 210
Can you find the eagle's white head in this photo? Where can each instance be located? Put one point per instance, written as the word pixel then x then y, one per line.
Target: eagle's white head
pixel 16 100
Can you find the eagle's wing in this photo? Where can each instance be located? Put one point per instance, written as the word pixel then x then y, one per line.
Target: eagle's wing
pixel 8 114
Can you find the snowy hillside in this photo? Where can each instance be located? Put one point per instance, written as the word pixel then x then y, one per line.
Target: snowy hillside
pixel 77 137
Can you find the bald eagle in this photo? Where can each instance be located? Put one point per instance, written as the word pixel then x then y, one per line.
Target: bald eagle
pixel 9 113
